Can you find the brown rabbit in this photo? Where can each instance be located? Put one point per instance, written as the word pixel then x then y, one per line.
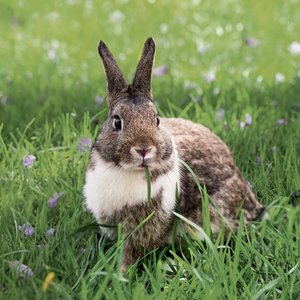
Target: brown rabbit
pixel 132 138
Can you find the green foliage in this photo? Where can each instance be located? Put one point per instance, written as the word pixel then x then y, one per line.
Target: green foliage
pixel 51 83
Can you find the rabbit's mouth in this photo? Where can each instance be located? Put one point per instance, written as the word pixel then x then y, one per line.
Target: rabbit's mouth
pixel 139 165
pixel 142 157
pixel 144 164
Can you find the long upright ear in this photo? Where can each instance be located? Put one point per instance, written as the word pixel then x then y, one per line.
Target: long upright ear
pixel 143 73
pixel 114 76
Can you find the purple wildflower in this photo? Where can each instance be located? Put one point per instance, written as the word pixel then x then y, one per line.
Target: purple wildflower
pixel 252 42
pixel 50 232
pixel 220 114
pixel 294 48
pixel 84 144
pixel 53 200
pixel 279 77
pixel 22 268
pixel 28 160
pixel 160 71
pixel 26 229
pixel 210 76
pixel 248 121
pixel 281 122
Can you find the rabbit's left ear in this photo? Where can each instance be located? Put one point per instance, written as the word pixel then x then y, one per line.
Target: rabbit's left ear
pixel 115 79
pixel 142 78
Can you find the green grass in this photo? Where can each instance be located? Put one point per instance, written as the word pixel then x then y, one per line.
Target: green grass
pixel 47 106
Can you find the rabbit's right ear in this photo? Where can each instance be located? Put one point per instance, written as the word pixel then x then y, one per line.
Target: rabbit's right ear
pixel 114 76
pixel 143 73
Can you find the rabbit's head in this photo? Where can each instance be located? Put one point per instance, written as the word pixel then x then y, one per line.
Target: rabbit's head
pixel 132 137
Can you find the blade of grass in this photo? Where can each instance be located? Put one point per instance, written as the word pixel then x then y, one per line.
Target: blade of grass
pixel 148 179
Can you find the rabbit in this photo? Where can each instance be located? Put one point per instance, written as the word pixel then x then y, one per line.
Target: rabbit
pixel 132 138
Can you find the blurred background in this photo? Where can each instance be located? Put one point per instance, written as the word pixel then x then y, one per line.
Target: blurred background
pixel 49 62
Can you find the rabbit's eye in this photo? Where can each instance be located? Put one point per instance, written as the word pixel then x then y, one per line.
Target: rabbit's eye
pixel 157 121
pixel 117 122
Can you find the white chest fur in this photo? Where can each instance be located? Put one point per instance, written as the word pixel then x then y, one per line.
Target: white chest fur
pixel 108 188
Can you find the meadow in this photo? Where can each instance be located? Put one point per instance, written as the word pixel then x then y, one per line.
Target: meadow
pixel 231 65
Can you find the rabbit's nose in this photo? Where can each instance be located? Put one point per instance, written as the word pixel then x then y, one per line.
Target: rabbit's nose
pixel 142 151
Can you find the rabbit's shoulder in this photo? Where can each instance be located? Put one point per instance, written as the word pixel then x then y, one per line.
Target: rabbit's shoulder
pixel 197 142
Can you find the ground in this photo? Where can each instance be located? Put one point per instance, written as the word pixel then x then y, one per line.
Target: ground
pixel 232 66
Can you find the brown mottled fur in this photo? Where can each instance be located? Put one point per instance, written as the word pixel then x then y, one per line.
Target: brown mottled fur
pixel 212 161
pixel 151 235
pixel 202 150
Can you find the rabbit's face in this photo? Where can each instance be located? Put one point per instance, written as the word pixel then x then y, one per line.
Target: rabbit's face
pixel 132 137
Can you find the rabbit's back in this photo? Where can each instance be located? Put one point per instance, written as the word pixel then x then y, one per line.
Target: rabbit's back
pixel 212 162
pixel 196 143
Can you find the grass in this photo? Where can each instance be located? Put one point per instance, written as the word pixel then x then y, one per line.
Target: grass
pixel 50 78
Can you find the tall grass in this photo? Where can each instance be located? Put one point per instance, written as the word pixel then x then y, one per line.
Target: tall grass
pixel 51 88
